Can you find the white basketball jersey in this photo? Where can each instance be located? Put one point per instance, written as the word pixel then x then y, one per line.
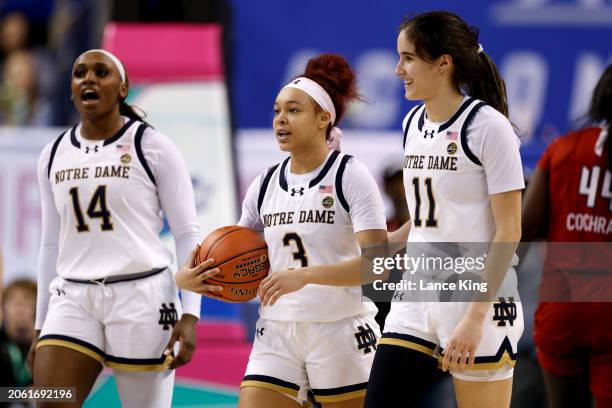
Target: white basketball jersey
pixel 105 194
pixel 308 225
pixel 445 183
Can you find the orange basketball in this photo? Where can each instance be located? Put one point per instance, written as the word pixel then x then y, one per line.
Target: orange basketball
pixel 241 255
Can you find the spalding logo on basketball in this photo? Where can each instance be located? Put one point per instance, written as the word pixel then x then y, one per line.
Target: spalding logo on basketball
pixel 242 256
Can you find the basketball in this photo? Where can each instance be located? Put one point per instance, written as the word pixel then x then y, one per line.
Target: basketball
pixel 241 255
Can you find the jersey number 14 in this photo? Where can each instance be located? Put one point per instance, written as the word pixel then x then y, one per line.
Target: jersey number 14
pixel 97 209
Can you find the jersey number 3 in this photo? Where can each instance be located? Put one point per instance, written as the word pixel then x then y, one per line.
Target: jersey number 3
pixel 97 209
pixel 300 253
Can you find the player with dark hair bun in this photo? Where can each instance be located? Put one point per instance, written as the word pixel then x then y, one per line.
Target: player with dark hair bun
pixel 569 194
pixel 314 209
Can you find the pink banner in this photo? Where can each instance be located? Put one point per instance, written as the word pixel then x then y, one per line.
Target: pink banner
pixel 158 52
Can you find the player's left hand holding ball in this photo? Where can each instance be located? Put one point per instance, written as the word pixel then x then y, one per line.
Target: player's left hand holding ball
pixel 280 283
pixel 185 333
pixel 193 277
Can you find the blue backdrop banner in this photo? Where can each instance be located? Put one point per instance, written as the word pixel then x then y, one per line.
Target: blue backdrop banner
pixel 550 53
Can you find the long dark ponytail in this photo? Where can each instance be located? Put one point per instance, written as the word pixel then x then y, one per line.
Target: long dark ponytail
pixel 128 110
pixel 601 107
pixel 440 32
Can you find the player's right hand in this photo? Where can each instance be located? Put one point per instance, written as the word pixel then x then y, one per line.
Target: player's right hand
pixel 193 277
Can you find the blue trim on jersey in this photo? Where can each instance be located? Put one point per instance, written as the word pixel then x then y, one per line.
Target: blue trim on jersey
pixel 135 361
pixel 414 111
pixel 453 118
pixel 506 347
pixel 464 144
pixel 339 175
pixel 119 133
pixel 282 179
pixel 138 145
pixel 53 150
pixel 75 141
pixel 330 162
pixel 271 380
pixel 330 392
pixel 264 187
pixel 461 109
pixel 410 338
pixel 74 340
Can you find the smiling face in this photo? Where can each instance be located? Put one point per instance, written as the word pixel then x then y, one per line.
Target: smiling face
pixel 297 125
pixel 421 78
pixel 96 86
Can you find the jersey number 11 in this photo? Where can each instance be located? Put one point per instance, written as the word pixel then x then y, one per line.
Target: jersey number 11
pixel 431 220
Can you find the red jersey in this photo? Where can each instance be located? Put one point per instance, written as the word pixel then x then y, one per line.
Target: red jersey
pixel 579 255
pixel 579 188
pixel 578 262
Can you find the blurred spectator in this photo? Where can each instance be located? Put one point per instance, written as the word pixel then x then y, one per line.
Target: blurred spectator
pixel 37 13
pixel 14 28
pixel 75 26
pixel 572 334
pixel 394 188
pixel 20 104
pixel 19 307
pixel 1 283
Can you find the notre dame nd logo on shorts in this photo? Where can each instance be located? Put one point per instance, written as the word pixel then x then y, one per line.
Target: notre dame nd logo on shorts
pixel 366 339
pixel 168 316
pixel 504 311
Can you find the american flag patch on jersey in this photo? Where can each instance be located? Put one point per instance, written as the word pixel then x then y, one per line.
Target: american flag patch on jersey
pixel 326 189
pixel 124 147
pixel 452 135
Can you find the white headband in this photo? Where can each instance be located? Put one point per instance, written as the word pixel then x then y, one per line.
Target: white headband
pixel 317 93
pixel 114 59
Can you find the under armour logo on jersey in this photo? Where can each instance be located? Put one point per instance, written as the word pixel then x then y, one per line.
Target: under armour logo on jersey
pixel 88 148
pixel 298 191
pixel 504 311
pixel 167 316
pixel 428 133
pixel 60 292
pixel 297 81
pixel 366 339
pixel 260 331
pixel 398 296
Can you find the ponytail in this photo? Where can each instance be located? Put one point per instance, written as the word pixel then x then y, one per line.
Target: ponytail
pixel 609 143
pixel 601 107
pixel 488 85
pixel 130 112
